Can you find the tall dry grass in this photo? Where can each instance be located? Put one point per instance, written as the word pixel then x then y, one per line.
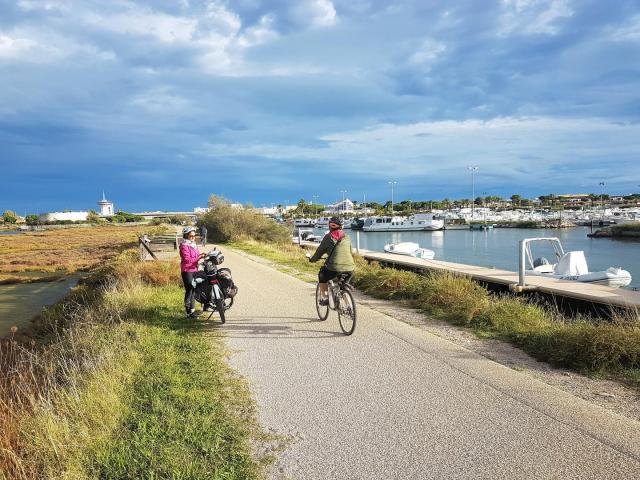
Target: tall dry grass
pixel 41 378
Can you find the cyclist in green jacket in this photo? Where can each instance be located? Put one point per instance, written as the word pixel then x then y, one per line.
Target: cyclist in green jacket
pixel 337 245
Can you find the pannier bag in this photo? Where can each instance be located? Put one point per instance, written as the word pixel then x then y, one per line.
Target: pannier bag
pixel 226 282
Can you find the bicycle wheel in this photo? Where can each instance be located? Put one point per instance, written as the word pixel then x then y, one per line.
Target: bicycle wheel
pixel 323 310
pixel 347 312
pixel 220 307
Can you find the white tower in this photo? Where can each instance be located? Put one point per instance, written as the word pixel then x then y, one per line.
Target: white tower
pixel 106 206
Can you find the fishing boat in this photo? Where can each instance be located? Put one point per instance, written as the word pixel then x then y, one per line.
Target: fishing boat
pixel 410 249
pixel 571 266
pixel 418 222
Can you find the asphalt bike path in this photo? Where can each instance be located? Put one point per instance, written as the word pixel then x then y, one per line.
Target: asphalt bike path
pixel 396 402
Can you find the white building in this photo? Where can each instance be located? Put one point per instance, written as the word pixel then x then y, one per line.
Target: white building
pixel 59 216
pixel 342 207
pixel 106 207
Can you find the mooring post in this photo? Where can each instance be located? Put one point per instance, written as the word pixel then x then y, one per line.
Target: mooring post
pixel 358 242
pixel 521 280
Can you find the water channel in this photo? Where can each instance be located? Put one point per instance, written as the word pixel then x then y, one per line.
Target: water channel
pixel 20 302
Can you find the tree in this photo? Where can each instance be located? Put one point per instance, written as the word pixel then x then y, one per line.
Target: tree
pixel 32 219
pixel 93 217
pixel 9 216
pixel 516 199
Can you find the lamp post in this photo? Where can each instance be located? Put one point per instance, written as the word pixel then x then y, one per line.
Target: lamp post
pixel 342 204
pixel 392 183
pixel 602 200
pixel 473 169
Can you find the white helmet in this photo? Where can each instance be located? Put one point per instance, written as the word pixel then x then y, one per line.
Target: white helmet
pixel 187 230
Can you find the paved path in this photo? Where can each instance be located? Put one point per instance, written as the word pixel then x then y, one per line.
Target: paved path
pixel 394 402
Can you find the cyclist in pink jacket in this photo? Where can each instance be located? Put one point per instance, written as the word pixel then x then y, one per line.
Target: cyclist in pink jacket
pixel 189 258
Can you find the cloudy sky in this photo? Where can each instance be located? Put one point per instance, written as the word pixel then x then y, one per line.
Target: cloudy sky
pixel 161 103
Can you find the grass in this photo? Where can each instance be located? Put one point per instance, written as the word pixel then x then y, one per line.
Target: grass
pixel 119 385
pixel 65 251
pixel 588 345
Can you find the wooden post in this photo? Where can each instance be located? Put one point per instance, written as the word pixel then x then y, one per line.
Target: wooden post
pixel 146 247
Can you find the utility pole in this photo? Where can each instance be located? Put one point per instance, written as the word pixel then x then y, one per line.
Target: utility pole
pixel 473 169
pixel 602 201
pixel 392 183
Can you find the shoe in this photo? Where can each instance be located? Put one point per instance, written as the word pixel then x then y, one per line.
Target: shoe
pixel 208 308
pixel 194 314
pixel 323 302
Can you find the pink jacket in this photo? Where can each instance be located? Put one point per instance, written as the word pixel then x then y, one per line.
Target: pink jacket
pixel 189 256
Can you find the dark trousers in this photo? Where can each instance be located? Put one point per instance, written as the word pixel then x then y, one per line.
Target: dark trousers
pixel 189 290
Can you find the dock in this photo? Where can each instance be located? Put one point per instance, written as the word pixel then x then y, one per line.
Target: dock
pixel 597 295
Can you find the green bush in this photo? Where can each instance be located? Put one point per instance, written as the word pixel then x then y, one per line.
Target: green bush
pixel 513 316
pixel 587 345
pixel 388 283
pixel 456 297
pixel 230 224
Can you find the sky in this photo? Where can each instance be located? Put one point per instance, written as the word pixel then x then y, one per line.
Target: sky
pixel 162 103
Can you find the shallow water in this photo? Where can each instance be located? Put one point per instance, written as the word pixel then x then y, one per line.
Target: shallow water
pixel 19 303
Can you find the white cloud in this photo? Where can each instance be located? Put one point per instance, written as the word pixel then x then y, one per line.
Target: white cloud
pixel 628 32
pixel 428 52
pixel 42 46
pixel 531 17
pixel 500 146
pixel 14 47
pixel 160 101
pixel 163 27
pixel 315 13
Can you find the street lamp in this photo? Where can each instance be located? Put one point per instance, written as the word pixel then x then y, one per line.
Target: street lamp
pixel 602 199
pixel 473 169
pixel 342 204
pixel 392 183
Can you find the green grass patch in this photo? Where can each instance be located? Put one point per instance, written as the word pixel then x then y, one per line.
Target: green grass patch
pixel 189 416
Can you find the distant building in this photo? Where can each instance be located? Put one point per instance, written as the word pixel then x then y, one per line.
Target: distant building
pixel 106 207
pixel 342 207
pixel 60 216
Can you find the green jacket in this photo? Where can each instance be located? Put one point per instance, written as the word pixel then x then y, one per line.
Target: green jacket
pixel 339 260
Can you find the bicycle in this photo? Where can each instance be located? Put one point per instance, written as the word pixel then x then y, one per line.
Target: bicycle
pixel 340 300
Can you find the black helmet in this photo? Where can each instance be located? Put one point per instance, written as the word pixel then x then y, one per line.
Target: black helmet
pixel 335 220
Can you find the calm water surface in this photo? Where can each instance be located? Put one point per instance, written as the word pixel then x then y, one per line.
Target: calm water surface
pixel 19 303
pixel 499 247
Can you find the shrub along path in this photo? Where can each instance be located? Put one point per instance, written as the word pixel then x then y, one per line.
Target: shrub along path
pixel 393 401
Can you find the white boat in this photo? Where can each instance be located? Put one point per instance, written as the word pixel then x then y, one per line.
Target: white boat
pixel 572 266
pixel 322 222
pixel 418 222
pixel 409 248
pixel 304 222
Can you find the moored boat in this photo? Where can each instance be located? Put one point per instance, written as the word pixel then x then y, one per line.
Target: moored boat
pixel 410 249
pixel 418 222
pixel 572 266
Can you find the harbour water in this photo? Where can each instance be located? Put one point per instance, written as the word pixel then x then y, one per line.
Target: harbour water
pixel 499 247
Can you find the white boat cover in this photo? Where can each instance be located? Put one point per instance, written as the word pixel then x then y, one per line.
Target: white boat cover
pixel 572 263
